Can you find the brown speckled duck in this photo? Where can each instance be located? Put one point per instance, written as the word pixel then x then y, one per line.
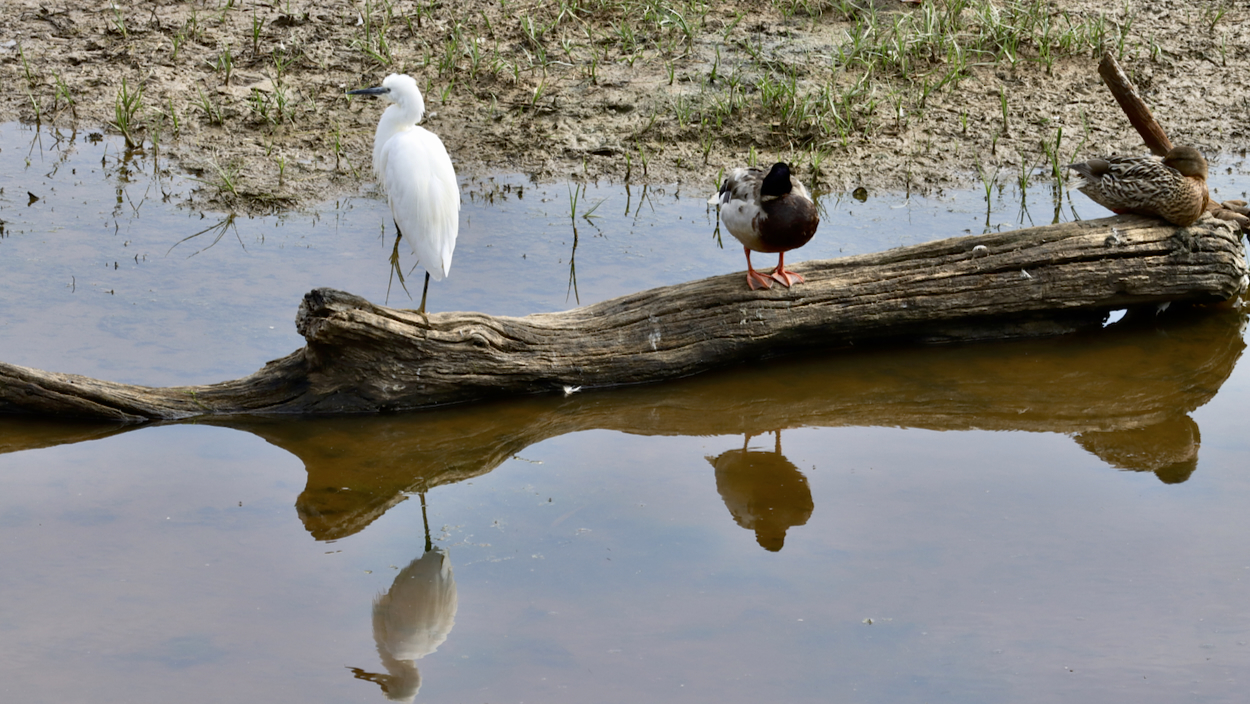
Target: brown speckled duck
pixel 1173 188
pixel 767 212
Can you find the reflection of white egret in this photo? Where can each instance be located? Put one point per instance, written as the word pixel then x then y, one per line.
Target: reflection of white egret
pixel 418 177
pixel 412 619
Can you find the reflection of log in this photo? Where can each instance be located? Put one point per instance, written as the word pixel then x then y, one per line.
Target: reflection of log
pixel 364 358
pixel 360 466
pixel 18 433
pixel 1105 386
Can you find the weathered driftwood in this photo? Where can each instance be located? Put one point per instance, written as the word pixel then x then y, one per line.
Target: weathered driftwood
pixel 362 357
pixel 1134 107
pixel 1124 393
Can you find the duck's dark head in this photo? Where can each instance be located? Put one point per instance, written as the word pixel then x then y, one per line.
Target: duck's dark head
pixel 777 182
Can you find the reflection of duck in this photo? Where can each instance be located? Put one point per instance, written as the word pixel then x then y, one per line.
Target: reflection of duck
pixel 1168 448
pixel 763 491
pixel 412 619
pixel 770 212
pixel 1173 188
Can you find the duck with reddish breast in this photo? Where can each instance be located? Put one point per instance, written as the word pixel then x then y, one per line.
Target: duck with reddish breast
pixel 1173 187
pixel 768 212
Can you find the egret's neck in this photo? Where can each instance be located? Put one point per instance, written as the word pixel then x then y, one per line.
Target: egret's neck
pixel 395 119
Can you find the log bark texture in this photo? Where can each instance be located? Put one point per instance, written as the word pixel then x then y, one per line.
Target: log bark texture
pixel 361 357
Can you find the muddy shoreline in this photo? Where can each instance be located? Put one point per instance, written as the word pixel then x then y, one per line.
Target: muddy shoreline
pixel 251 99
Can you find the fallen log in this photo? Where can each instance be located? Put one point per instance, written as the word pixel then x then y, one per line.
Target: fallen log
pixel 1125 393
pixel 364 358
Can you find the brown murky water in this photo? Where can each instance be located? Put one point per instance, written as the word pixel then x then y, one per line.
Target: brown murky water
pixel 1048 521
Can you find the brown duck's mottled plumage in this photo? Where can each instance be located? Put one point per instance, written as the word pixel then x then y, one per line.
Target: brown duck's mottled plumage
pixel 769 212
pixel 1173 187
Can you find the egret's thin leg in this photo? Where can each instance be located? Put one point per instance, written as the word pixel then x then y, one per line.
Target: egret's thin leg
pixel 428 545
pixel 424 290
pixel 395 270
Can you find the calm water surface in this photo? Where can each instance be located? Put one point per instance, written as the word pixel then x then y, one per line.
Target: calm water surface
pixel 1050 521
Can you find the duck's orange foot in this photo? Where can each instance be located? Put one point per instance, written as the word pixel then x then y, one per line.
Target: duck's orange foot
pixel 757 280
pixel 787 278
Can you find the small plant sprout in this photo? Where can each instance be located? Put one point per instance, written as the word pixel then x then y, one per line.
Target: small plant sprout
pixel 173 115
pixel 30 75
pixel 125 109
pixel 225 64
pixel 211 111
pixel 63 94
pixel 1052 153
pixel 30 85
pixel 258 24
pixel 178 39
pixel 574 190
pixel 227 174
pixel 119 20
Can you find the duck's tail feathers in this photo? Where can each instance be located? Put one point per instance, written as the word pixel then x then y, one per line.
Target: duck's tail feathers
pixel 1084 175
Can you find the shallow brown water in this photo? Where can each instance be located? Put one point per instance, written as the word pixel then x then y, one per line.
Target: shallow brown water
pixel 1048 521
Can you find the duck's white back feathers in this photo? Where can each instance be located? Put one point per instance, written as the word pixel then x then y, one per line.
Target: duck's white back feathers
pixel 741 205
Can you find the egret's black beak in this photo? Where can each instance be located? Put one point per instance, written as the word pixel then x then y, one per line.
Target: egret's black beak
pixel 370 91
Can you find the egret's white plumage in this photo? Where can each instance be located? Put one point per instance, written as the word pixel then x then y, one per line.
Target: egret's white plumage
pixel 415 171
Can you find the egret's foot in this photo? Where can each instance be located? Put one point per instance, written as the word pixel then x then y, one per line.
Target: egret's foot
pixel 757 280
pixel 787 278
pixel 425 291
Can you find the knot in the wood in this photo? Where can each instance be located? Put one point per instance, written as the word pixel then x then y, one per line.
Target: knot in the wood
pixel 480 336
pixel 1184 241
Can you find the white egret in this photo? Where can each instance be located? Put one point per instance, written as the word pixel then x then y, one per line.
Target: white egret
pixel 767 212
pixel 416 173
